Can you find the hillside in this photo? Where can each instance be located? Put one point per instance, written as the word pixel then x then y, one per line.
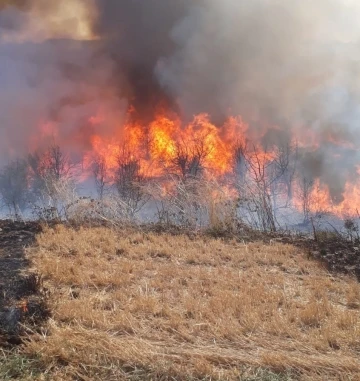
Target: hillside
pixel 132 304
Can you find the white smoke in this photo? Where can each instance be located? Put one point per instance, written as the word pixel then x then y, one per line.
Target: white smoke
pixel 265 57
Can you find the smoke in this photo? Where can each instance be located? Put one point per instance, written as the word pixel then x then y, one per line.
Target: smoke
pixel 293 64
pixel 38 20
pixel 279 59
pixel 136 34
pixel 52 74
pixel 290 64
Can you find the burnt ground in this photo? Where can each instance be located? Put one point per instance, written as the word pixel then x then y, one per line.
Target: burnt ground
pixel 335 252
pixel 22 303
pixel 338 254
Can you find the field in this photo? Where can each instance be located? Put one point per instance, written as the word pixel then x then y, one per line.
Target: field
pixel 133 304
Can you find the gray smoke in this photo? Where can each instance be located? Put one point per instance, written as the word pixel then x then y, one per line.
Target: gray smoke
pixel 136 35
pixel 291 61
pixel 293 64
pixel 48 80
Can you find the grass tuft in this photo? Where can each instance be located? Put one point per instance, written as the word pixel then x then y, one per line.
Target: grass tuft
pixel 15 366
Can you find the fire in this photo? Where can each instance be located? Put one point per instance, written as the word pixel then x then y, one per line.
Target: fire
pixel 162 133
pixel 81 96
pixel 165 143
pixel 160 143
pixel 322 202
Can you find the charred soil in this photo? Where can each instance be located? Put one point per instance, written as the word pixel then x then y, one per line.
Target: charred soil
pixel 22 302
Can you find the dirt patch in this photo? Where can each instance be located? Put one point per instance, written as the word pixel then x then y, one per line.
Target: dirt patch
pixel 21 298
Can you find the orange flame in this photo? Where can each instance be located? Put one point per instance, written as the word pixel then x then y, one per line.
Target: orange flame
pixel 158 144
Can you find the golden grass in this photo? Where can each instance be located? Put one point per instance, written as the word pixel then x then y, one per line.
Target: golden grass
pixel 130 304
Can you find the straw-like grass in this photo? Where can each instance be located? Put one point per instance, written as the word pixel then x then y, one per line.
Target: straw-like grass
pixel 137 305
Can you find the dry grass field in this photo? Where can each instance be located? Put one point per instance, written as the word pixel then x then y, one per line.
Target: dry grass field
pixel 139 305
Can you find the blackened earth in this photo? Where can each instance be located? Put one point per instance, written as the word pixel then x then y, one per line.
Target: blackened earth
pixel 22 300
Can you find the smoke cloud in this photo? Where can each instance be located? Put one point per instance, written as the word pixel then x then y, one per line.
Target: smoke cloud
pixel 52 72
pixel 293 64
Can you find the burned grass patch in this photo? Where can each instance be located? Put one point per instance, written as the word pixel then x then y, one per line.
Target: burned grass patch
pixel 22 302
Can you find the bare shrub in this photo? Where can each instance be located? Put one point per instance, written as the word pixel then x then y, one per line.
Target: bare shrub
pixel 95 211
pixel 240 167
pixel 176 202
pixel 14 187
pixel 194 203
pixel 129 183
pixel 304 193
pixel 254 187
pixel 221 210
pixel 352 230
pixel 53 183
pixel 101 176
pixel 282 170
pixel 264 180
pixel 188 160
pixel 179 194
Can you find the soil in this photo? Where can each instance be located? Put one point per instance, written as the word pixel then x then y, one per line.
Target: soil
pixel 22 300
pixel 339 255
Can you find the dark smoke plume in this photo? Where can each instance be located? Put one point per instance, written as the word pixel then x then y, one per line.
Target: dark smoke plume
pixel 137 34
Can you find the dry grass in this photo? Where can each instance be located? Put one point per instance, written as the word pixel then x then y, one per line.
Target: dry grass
pixel 136 305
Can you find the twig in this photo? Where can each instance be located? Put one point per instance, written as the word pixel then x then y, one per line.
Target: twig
pixel 314 230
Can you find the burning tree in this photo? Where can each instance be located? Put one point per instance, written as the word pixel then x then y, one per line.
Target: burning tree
pixel 188 159
pixel 130 184
pixel 181 202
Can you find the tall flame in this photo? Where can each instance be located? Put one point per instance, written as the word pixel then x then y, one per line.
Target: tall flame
pixel 166 139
